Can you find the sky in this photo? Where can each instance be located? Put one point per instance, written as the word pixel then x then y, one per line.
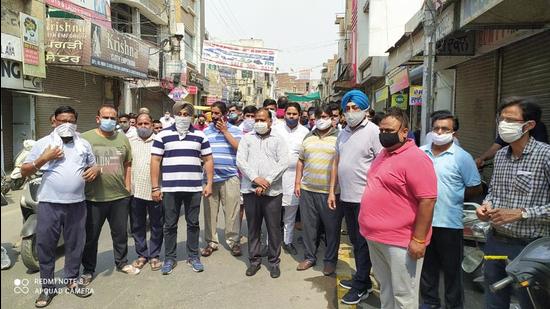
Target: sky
pixel 302 30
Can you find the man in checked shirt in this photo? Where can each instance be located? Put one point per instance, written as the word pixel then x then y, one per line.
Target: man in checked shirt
pixel 518 203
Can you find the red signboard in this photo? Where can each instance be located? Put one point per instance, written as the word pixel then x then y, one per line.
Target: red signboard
pixel 192 89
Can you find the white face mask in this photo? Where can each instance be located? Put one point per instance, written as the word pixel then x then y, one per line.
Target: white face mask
pixel 355 118
pixel 248 125
pixel 442 139
pixel 510 131
pixel 66 130
pixel 261 127
pixel 182 124
pixel 323 124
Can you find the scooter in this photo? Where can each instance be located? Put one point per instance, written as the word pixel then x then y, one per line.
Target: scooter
pixel 29 208
pixel 530 270
pixel 16 180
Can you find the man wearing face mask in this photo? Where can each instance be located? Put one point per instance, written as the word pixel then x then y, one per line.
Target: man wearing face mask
pixel 262 159
pixel 518 203
pixel 249 113
pixel 143 205
pixel 181 151
pixel 167 120
pixel 396 212
pixel 356 148
pixel 312 183
pixel 457 179
pixel 201 123
pixel 234 115
pixel 293 134
pixel 67 162
pixel 108 196
pixel 224 139
pixel 126 127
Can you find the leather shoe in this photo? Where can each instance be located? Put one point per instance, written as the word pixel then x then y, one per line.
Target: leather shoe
pixel 275 272
pixel 252 270
pixel 236 250
pixel 305 264
pixel 329 269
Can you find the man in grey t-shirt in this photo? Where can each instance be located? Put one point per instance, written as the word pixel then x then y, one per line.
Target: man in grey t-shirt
pixel 356 147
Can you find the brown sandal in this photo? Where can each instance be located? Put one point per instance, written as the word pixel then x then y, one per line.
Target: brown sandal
pixel 207 251
pixel 139 263
pixel 155 263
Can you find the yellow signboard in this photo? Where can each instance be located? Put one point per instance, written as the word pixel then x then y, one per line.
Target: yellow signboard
pixel 400 100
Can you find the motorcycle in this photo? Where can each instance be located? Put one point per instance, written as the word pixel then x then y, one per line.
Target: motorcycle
pixel 530 270
pixel 16 180
pixel 29 205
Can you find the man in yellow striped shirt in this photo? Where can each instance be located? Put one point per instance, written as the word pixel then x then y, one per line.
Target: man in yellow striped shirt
pixel 312 187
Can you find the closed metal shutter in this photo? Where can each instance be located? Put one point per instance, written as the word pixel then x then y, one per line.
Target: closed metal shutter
pixel 87 88
pixel 526 71
pixel 475 104
pixel 152 98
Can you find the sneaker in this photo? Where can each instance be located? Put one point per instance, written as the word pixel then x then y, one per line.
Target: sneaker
pixel 290 249
pixel 195 264
pixel 6 262
pixel 354 296
pixel 168 266
pixel 346 284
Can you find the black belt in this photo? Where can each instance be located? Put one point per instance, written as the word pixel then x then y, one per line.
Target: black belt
pixel 512 240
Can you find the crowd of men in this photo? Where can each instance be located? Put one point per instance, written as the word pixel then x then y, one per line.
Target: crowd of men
pixel 279 164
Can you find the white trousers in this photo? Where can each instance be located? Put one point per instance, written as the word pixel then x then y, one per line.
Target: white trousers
pixel 289 219
pixel 398 274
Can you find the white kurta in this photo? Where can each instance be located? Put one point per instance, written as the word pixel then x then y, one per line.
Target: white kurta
pixel 293 139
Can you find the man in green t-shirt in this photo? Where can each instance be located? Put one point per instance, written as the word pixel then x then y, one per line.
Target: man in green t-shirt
pixel 108 196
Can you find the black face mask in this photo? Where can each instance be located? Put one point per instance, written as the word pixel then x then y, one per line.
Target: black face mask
pixel 389 139
pixel 303 121
pixel 67 139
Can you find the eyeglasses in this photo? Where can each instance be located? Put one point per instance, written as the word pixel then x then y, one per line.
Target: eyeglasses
pixel 510 120
pixel 442 129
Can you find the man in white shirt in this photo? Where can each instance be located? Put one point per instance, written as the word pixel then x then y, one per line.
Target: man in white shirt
pixel 167 120
pixel 292 133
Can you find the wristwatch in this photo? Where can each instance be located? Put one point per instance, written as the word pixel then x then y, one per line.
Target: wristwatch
pixel 524 214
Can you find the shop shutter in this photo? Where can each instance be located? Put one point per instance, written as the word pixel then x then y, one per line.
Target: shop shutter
pixel 526 71
pixel 475 104
pixel 84 87
pixel 152 98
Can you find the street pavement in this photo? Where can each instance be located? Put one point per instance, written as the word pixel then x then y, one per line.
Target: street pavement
pixel 223 284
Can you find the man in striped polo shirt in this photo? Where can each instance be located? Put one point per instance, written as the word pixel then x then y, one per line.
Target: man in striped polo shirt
pixel 312 187
pixel 181 149
pixel 224 139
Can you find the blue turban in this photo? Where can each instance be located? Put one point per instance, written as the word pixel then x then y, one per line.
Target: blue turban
pixel 358 97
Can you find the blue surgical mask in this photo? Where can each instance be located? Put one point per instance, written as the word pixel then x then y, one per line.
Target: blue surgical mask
pixel 107 125
pixel 291 122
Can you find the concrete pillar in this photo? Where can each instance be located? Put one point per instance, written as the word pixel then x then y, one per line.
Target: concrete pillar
pixel 127 102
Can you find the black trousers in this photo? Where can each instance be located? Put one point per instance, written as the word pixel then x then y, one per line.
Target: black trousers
pixel 361 279
pixel 443 254
pixel 116 213
pixel 172 202
pixel 257 209
pixel 54 219
pixel 316 216
pixel 138 219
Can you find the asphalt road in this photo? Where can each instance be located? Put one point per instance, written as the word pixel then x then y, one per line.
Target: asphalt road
pixel 223 284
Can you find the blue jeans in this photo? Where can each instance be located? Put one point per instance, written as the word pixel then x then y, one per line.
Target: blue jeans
pixel 495 271
pixel 138 218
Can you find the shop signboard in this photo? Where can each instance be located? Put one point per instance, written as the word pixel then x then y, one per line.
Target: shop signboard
pixel 11 47
pixel 193 89
pixel 381 95
pixel 97 11
pixel 32 37
pixel 119 53
pixel 458 44
pixel 68 41
pixel 399 80
pixel 399 100
pixel 178 93
pixel 195 78
pixel 415 93
pixel 13 78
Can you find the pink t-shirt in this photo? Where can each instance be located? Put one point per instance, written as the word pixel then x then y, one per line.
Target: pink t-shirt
pixel 396 182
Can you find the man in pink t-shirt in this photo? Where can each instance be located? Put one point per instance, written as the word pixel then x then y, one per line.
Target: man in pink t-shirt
pixel 396 212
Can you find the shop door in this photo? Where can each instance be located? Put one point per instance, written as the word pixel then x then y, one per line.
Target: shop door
pixel 23 121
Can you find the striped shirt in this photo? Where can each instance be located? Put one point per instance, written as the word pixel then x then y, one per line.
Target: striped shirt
pixel 317 154
pixel 181 159
pixel 141 167
pixel 225 156
pixel 523 183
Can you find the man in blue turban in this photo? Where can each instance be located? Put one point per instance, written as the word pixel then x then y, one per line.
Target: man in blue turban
pixel 357 146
